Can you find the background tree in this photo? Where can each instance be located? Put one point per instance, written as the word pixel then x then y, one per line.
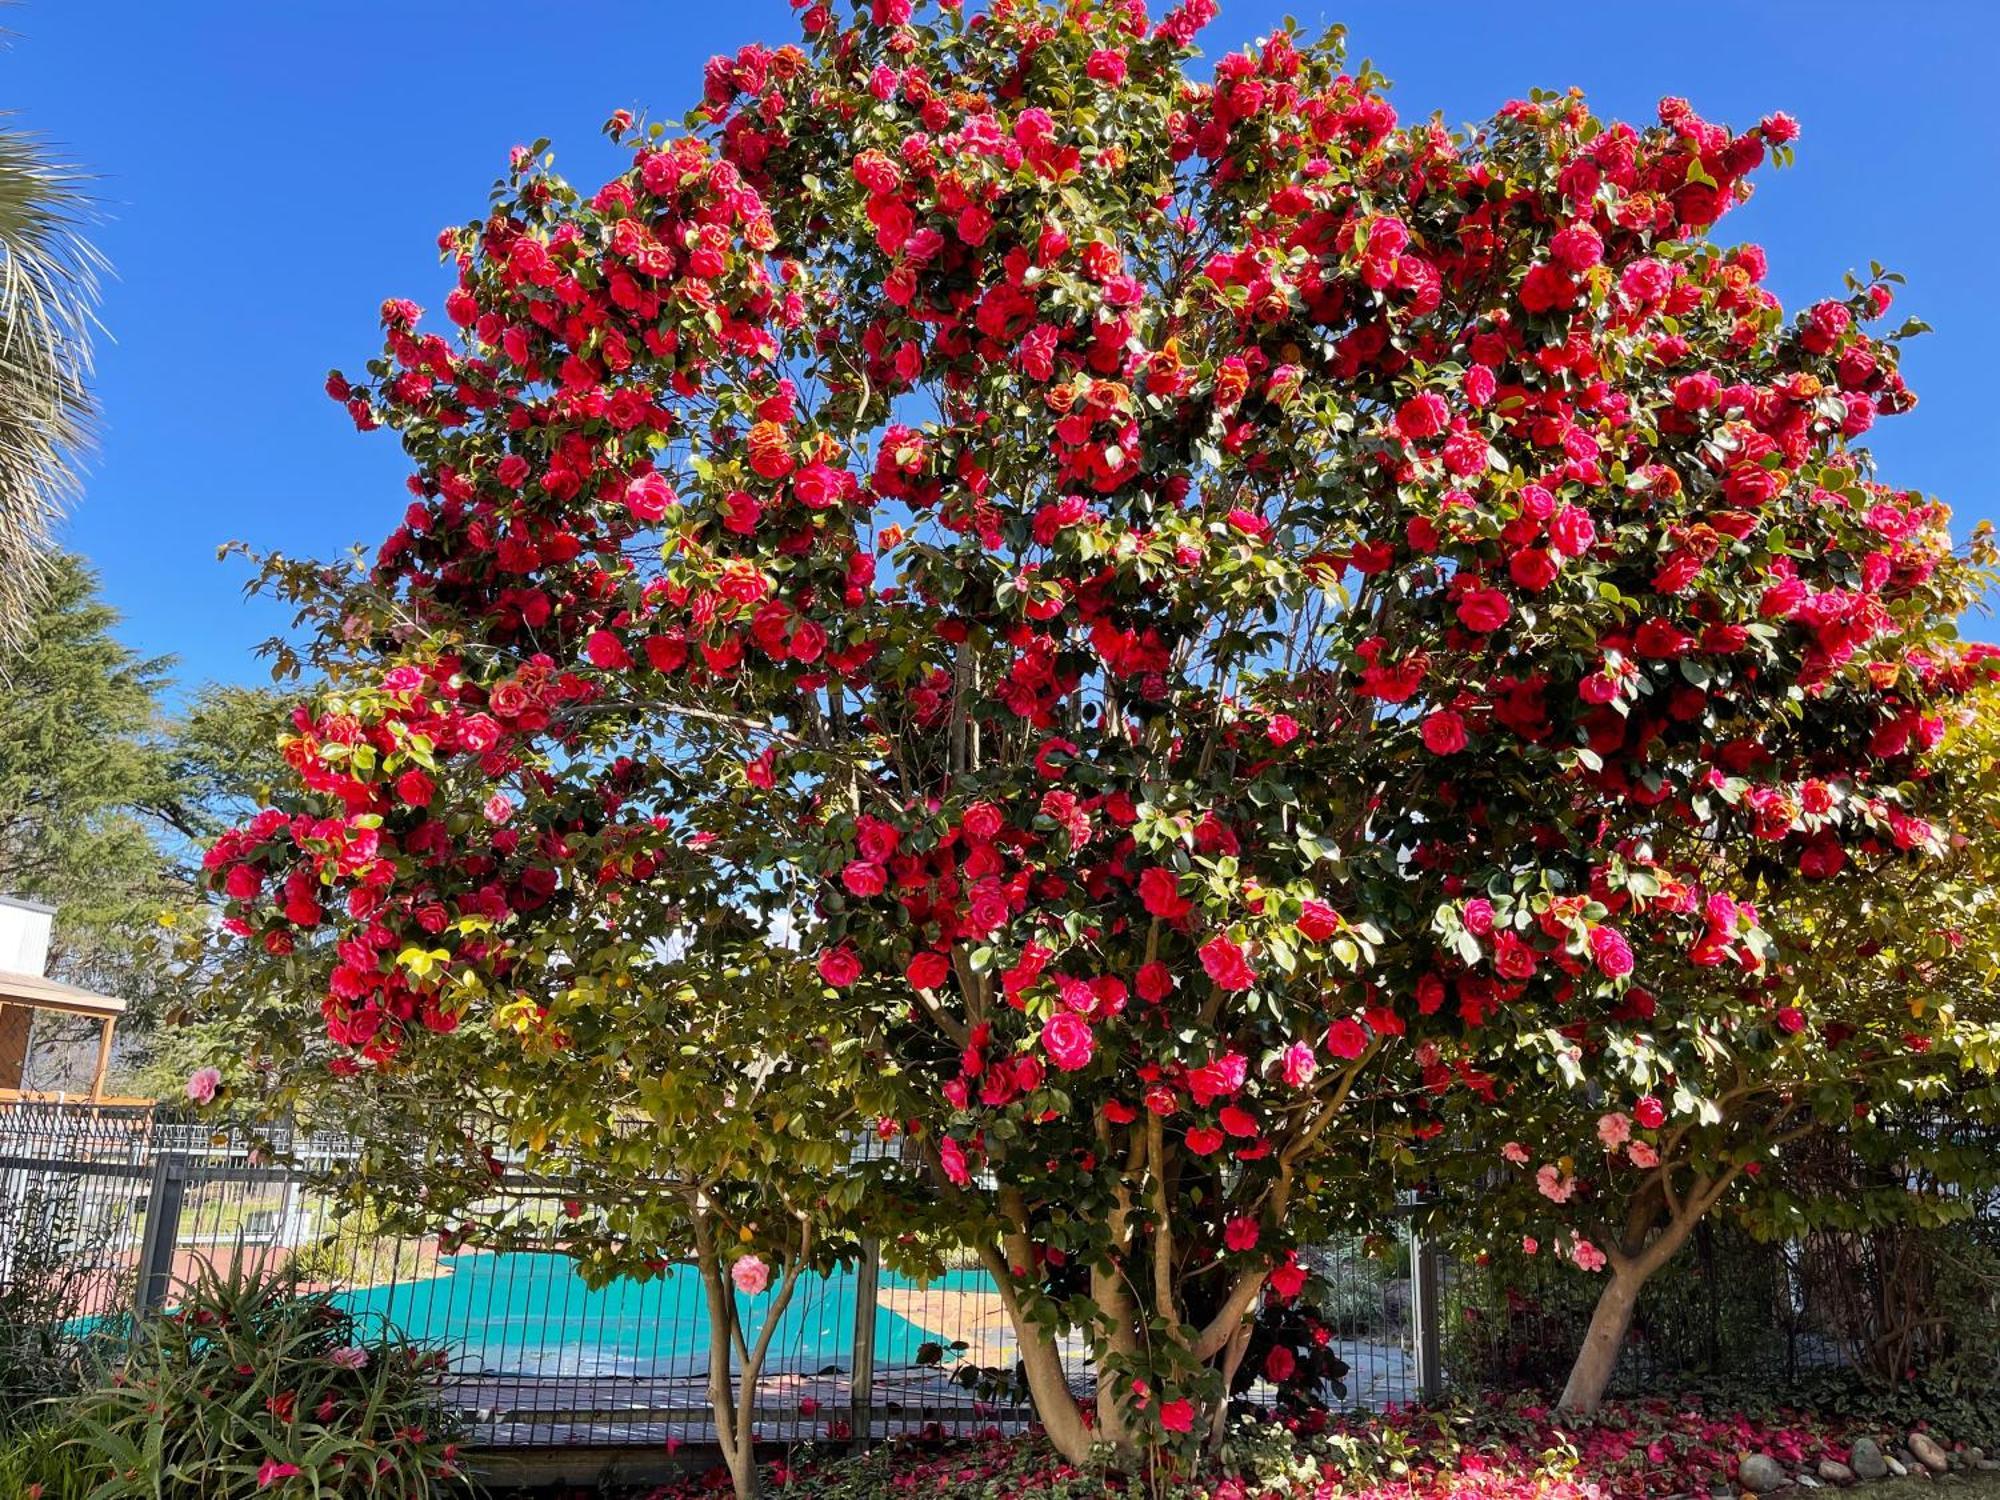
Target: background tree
pixel 48 287
pixel 662 1097
pixel 1176 590
pixel 1878 1028
pixel 105 796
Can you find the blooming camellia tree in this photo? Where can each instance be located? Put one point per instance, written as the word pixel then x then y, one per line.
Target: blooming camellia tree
pixel 1129 567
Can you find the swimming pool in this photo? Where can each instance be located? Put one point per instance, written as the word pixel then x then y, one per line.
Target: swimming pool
pixel 531 1314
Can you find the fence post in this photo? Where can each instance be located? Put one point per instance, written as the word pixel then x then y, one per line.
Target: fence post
pixel 861 1396
pixel 1424 1314
pixel 164 1198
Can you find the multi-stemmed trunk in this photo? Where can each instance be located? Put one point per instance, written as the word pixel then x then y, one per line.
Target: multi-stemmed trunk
pixel 1116 1431
pixel 1145 1285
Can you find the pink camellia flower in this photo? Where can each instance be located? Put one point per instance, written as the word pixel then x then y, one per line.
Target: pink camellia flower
pixel 1587 1256
pixel 498 809
pixel 1612 952
pixel 1069 1041
pixel 1614 1130
pixel 353 1357
pixel 1553 1186
pixel 202 1084
pixel 1299 1064
pixel 1516 1153
pixel 1643 1156
pixel 951 1156
pixel 1529 1245
pixel 750 1274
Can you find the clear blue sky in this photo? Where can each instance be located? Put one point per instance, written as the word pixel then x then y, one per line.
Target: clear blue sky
pixel 272 169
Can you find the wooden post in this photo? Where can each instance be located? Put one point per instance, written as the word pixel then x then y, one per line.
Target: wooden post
pixel 103 1059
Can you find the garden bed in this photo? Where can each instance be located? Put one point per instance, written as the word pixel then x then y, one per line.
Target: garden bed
pixel 1496 1449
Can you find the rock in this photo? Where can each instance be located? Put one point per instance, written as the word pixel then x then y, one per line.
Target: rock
pixel 1988 1465
pixel 1806 1481
pixel 1898 1465
pixel 1929 1453
pixel 1761 1474
pixel 1974 1454
pixel 1867 1460
pixel 1835 1472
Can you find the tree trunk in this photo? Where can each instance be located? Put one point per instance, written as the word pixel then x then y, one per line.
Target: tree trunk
pixel 1055 1404
pixel 738 1449
pixel 1232 1361
pixel 1591 1373
pixel 1114 1414
pixel 1583 1392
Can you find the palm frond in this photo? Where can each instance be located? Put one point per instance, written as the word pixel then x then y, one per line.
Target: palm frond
pixel 48 291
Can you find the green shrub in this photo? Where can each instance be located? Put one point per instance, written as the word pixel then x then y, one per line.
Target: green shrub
pixel 52 1253
pixel 41 1460
pixel 251 1388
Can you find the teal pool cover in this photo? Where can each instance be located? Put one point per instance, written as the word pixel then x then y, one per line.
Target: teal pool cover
pixel 531 1314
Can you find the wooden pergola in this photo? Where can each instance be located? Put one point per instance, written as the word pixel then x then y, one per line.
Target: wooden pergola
pixel 21 997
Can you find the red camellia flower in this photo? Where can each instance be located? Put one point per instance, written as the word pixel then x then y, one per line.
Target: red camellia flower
pixel 927 970
pixel 1484 610
pixel 1159 892
pixel 864 878
pixel 839 967
pixel 1444 732
pixel 1227 964
pixel 1347 1038
pixel 1422 416
pixel 1317 921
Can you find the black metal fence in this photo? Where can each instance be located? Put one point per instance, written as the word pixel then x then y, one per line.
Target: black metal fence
pixel 104 1210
